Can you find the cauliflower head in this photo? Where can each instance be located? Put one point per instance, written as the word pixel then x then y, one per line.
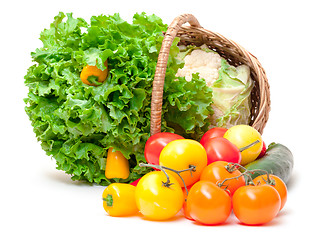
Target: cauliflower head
pixel 231 85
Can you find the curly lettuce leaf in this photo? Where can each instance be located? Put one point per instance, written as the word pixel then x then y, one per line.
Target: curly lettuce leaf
pixel 189 106
pixel 76 123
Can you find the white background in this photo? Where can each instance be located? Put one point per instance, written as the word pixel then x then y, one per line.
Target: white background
pixel 40 202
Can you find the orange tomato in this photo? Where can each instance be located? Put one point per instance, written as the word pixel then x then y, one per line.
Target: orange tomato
pixel 93 71
pixel 256 205
pixel 208 204
pixel 182 154
pixel 185 208
pixel 216 173
pixel 275 182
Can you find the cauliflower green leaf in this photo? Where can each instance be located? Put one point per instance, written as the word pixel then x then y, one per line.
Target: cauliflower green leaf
pixel 232 95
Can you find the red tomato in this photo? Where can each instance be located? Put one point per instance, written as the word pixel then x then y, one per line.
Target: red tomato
pixel 217 173
pixel 134 183
pixel 212 133
pixel 208 204
pixel 156 143
pixel 256 205
pixel 263 151
pixel 221 149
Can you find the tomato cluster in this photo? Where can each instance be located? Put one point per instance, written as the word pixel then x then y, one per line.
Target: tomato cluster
pixel 205 179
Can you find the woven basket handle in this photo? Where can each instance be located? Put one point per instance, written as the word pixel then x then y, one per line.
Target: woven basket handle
pixel 158 82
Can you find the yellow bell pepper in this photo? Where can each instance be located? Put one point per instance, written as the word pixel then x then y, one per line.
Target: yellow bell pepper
pixel 117 166
pixel 119 200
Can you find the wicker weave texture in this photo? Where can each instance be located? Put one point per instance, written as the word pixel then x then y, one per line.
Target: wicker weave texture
pixel 231 51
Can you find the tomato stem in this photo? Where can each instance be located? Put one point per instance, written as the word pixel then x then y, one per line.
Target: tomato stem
pixel 237 177
pixel 231 167
pixel 269 181
pixel 163 168
pixel 248 146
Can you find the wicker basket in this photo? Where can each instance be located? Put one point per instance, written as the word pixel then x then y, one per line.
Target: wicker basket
pixel 231 51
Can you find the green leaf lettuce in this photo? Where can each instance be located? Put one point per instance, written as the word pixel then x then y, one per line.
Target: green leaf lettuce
pixel 76 123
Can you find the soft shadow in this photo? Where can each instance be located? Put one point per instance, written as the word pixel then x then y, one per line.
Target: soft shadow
pixel 63 178
pixel 284 212
pixel 178 217
pixel 227 223
pixel 274 222
pixel 136 215
pixel 293 181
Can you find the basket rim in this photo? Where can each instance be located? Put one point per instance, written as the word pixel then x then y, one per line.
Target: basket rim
pixel 261 103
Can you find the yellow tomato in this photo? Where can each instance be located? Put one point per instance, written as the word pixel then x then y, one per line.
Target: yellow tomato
pixel 182 154
pixel 119 200
pixel 157 200
pixel 242 136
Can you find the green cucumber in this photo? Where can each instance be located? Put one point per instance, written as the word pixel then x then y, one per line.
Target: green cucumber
pixel 278 161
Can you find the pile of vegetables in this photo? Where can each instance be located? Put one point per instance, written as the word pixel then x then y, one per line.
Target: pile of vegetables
pixel 91 85
pixel 228 170
pixel 89 103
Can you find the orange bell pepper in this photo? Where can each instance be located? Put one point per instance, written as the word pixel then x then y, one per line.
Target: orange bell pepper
pixel 89 72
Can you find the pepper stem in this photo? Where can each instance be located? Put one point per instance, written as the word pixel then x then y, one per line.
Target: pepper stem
pixel 109 200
